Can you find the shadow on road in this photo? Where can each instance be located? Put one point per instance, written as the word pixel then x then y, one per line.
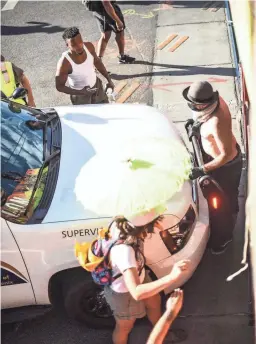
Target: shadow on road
pixel 34 28
pixel 197 4
pixel 181 70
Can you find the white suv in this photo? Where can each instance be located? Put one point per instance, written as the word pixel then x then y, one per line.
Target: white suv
pixel 42 154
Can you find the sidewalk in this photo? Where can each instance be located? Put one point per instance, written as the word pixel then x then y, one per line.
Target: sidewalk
pixel 205 55
pixel 215 311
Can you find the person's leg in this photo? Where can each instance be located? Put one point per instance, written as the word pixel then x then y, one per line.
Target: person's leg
pixel 153 308
pixel 102 44
pixel 122 330
pixel 228 178
pixel 105 29
pixel 120 42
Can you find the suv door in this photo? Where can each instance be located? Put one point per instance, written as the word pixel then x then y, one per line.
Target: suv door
pixel 16 287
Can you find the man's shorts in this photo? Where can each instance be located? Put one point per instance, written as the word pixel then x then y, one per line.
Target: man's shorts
pixel 123 305
pixel 106 23
pixel 97 98
pixel 228 177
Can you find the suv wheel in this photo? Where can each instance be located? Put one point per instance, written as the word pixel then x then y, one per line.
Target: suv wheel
pixel 85 302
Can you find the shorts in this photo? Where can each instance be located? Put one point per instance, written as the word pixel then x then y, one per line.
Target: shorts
pixel 97 98
pixel 228 177
pixel 123 305
pixel 106 23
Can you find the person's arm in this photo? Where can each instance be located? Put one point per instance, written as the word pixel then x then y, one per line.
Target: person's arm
pixel 99 65
pixel 224 143
pixel 173 307
pixel 26 84
pixel 146 290
pixel 112 13
pixel 21 78
pixel 63 69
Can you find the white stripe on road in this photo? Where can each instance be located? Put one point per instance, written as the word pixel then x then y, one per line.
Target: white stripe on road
pixel 10 4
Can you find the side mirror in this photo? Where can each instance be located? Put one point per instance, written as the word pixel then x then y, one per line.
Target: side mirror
pixel 19 92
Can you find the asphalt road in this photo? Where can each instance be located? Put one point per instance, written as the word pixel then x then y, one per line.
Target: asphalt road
pixel 32 39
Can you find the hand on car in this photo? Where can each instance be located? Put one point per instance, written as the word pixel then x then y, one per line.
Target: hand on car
pixel 196 172
pixel 175 302
pixel 31 103
pixel 178 269
pixel 88 91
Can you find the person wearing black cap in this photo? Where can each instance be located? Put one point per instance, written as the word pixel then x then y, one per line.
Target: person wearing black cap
pixel 221 152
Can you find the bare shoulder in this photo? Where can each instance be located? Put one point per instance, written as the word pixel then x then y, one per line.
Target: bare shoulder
pixel 63 65
pixel 222 101
pixel 89 46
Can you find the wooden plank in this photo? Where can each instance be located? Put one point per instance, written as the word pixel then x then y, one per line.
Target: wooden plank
pixel 178 43
pixel 127 93
pixel 216 8
pixel 207 6
pixel 168 40
pixel 120 86
pixel 9 5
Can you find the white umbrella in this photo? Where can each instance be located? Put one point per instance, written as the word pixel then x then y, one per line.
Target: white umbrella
pixel 134 179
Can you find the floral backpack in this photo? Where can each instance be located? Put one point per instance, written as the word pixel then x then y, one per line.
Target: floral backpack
pixel 103 274
pixel 94 257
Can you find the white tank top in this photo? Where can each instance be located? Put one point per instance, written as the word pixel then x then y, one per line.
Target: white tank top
pixel 83 74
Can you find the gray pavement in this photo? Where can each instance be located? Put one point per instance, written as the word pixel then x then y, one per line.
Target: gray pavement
pixel 215 311
pixel 205 55
pixel 32 39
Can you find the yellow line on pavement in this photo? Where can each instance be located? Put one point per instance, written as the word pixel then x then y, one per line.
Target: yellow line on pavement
pixel 9 5
pixel 168 40
pixel 178 43
pixel 120 86
pixel 127 93
pixel 207 6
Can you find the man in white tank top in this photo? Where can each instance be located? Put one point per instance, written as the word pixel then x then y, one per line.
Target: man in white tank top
pixel 77 67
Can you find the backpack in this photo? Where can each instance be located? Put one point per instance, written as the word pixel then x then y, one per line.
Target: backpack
pixel 103 273
pixel 91 5
pixel 94 257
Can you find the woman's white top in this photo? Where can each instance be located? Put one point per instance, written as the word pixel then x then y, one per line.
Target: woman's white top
pixel 83 74
pixel 122 257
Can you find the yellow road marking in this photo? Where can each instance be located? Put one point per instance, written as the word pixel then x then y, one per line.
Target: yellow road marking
pixel 206 6
pixel 178 43
pixel 168 40
pixel 120 86
pixel 127 93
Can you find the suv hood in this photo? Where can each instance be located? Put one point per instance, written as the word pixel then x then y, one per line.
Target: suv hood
pixel 88 130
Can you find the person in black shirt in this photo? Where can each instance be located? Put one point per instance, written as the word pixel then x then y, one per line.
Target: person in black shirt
pixel 110 18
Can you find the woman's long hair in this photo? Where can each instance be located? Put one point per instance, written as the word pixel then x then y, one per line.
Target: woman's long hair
pixel 134 236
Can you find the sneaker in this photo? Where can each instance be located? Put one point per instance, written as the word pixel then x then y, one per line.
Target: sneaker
pixel 126 59
pixel 221 249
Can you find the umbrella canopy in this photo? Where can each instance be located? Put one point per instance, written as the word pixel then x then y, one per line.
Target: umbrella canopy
pixel 134 179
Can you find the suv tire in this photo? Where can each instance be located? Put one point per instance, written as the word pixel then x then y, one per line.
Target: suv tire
pixel 85 302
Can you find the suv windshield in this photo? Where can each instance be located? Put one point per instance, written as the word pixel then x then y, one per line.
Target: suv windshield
pixel 22 156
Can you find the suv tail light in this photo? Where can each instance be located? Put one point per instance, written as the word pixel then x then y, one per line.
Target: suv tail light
pixel 176 237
